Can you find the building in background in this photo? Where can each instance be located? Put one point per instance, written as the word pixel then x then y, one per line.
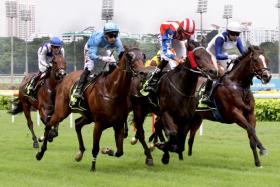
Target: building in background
pixel 23 26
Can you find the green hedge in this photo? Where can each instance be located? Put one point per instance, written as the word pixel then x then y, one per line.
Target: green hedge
pixel 266 109
pixel 5 103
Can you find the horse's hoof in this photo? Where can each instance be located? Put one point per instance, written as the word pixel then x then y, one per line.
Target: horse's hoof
pixel 165 160
pixel 39 156
pixel 133 141
pixel 104 150
pixel 149 162
pixel 151 146
pixel 36 145
pixel 79 156
pixel 41 139
pixel 263 152
pixel 259 167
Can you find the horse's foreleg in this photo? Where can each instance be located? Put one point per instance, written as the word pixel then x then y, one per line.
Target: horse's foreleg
pixel 40 154
pixel 139 117
pixel 26 110
pixel 171 130
pixel 79 123
pixel 119 136
pixel 252 120
pixel 242 122
pixel 97 132
pixel 194 126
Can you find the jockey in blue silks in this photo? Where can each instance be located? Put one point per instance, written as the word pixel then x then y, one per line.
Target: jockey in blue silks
pixel 218 49
pixel 98 48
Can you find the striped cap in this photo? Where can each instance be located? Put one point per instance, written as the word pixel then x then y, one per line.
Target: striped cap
pixel 188 25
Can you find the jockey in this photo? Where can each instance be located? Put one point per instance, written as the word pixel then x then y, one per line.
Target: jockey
pixel 218 48
pixel 98 48
pixel 173 35
pixel 155 61
pixel 45 55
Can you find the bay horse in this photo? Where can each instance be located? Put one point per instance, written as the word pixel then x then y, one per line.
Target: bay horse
pixel 107 106
pixel 234 99
pixel 44 96
pixel 175 95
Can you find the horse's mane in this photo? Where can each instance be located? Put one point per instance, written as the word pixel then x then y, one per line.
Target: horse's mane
pixel 247 52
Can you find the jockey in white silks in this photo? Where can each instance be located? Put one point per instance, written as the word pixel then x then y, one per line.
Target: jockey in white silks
pixel 45 56
pixel 218 49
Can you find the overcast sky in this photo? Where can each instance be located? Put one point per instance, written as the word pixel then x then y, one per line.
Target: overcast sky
pixel 143 16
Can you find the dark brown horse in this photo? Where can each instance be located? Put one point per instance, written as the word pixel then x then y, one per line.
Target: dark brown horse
pixel 45 95
pixel 234 100
pixel 176 97
pixel 107 106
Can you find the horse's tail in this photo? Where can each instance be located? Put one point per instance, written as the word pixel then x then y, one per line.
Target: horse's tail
pixel 16 107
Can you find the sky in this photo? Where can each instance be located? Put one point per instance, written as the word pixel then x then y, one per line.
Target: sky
pixel 143 16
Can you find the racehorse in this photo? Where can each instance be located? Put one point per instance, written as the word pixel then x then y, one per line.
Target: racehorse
pixel 176 97
pixel 106 102
pixel 45 95
pixel 234 100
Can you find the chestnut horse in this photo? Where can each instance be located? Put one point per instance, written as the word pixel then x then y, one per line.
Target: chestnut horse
pixel 107 105
pixel 176 97
pixel 234 100
pixel 45 95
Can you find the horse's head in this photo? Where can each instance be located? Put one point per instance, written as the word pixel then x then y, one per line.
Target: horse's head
pixel 259 65
pixel 59 66
pixel 200 59
pixel 134 59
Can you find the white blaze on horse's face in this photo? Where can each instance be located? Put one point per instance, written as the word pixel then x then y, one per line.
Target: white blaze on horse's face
pixel 263 61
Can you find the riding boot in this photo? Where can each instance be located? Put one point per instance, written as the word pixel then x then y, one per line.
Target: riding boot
pixel 31 90
pixel 206 95
pixel 78 92
pixel 152 82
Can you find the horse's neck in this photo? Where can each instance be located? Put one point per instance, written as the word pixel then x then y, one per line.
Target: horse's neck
pixel 51 80
pixel 241 74
pixel 186 80
pixel 118 82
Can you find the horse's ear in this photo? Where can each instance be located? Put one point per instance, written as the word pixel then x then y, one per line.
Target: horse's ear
pixel 121 54
pixel 250 48
pixel 144 56
pixel 125 48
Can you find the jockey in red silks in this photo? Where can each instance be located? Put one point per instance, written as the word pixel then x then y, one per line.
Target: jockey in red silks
pixel 173 35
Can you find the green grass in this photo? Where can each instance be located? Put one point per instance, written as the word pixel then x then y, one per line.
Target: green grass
pixel 221 157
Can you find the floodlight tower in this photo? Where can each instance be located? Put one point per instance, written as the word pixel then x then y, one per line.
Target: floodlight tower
pixel 201 8
pixel 278 6
pixel 11 12
pixel 107 10
pixel 227 13
pixel 25 15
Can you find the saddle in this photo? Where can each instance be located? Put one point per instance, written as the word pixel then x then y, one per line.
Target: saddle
pixel 32 86
pixel 80 105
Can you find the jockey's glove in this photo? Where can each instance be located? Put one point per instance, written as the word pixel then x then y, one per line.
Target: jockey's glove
pixel 108 59
pixel 232 57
